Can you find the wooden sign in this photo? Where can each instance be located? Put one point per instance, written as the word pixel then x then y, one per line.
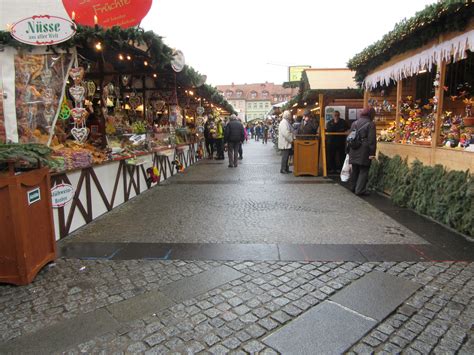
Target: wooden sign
pixel 43 30
pixel 108 13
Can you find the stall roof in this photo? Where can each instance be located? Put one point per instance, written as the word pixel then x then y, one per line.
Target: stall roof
pixel 330 79
pixel 433 21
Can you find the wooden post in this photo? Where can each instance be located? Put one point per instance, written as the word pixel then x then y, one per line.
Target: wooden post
pixel 397 112
pixel 366 98
pixel 322 129
pixel 439 94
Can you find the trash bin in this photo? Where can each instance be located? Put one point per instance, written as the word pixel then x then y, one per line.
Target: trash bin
pixel 306 156
pixel 27 241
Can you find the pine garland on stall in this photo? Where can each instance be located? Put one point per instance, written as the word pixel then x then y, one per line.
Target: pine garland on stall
pixel 445 196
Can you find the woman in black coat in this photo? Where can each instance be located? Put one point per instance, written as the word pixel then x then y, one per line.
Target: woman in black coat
pixel 361 157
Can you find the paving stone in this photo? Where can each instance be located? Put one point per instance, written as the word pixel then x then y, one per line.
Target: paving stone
pixel 211 339
pixel 254 347
pixel 155 339
pixel 376 295
pixel 327 327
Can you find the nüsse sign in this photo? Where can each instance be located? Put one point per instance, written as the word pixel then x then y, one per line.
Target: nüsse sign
pixel 43 30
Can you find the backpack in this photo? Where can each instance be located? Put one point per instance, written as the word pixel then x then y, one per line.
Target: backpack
pixel 353 140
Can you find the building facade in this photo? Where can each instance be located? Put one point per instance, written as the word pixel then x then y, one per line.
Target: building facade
pixel 254 101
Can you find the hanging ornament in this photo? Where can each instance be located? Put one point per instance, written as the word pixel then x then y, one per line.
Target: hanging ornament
pixel 135 101
pixel 77 74
pixel 49 115
pixel 79 115
pixel 46 76
pixel 80 134
pixel 77 92
pixel 125 79
pixel 91 88
pixel 65 111
pixel 48 96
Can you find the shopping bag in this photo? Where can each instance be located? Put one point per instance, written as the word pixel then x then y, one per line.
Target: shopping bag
pixel 346 170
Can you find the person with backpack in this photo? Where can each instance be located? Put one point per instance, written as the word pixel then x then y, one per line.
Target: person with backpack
pixel 361 147
pixel 209 134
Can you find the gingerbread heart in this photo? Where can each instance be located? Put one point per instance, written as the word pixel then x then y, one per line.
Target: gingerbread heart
pixel 77 92
pixel 78 114
pixel 135 101
pixel 77 74
pixel 80 134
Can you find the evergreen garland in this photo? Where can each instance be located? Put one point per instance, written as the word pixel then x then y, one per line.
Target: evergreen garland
pixel 445 196
pixel 438 18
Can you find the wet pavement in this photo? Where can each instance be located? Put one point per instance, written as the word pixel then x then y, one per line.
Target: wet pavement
pixel 249 261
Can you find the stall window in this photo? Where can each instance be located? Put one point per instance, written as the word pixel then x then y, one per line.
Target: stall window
pixel 39 82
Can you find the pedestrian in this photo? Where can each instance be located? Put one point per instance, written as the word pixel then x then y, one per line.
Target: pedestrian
pixel 234 136
pixel 336 145
pixel 309 127
pixel 258 132
pixel 219 140
pixel 265 130
pixel 209 131
pixel 362 156
pixel 285 141
pixel 252 132
pixel 241 151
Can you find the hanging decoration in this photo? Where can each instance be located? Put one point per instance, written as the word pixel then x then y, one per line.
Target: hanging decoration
pixel 79 114
pixel 454 48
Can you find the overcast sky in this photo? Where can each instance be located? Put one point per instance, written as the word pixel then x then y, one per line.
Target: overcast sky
pixel 249 41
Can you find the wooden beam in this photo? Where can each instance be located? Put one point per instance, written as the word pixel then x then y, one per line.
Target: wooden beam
pixel 366 98
pixel 322 128
pixel 397 112
pixel 439 94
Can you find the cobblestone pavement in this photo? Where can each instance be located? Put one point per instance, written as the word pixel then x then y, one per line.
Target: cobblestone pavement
pixel 254 203
pixel 234 317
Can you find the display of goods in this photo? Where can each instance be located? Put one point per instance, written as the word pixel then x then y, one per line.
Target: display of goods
pixel 26 155
pixel 454 131
pixel 139 127
pixel 78 156
pixel 39 83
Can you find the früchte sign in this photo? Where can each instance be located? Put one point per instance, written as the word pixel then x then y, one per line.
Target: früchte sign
pixel 43 30
pixel 108 13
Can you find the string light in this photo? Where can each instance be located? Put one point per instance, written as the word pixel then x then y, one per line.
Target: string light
pixel 145 63
pixel 120 57
pixel 155 75
pixel 129 58
pixel 98 46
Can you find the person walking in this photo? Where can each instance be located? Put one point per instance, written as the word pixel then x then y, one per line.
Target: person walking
pixel 234 136
pixel 362 156
pixel 241 151
pixel 336 145
pixel 209 131
pixel 285 141
pixel 258 132
pixel 220 140
pixel 265 130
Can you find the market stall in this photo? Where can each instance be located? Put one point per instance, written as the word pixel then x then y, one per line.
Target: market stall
pixel 327 91
pixel 119 110
pixel 419 78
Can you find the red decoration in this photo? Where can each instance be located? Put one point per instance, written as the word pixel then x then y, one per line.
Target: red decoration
pixel 109 13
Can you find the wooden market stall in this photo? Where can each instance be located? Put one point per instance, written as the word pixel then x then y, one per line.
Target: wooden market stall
pixel 420 80
pixel 327 90
pixel 116 106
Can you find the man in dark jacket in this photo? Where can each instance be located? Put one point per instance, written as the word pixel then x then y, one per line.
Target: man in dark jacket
pixel 208 137
pixel 336 145
pixel 361 157
pixel 308 126
pixel 234 136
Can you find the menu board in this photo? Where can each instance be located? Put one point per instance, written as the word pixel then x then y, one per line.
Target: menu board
pixel 39 85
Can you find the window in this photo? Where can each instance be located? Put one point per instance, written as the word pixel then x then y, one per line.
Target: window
pixel 253 95
pixel 239 93
pixel 228 93
pixel 260 105
pixel 267 105
pixel 264 94
pixel 254 105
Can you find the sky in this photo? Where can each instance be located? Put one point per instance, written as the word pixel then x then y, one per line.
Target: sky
pixel 251 41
